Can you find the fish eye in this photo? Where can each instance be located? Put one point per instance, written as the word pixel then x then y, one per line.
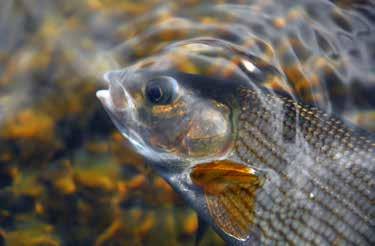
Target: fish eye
pixel 161 90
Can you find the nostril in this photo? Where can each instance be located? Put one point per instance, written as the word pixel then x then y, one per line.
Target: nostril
pixel 111 76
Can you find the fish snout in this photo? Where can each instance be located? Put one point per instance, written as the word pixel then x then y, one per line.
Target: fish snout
pixel 116 97
pixel 104 97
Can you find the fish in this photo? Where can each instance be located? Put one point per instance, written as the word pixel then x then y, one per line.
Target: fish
pixel 257 165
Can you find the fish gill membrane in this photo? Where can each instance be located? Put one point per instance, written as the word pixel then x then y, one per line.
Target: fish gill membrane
pixel 309 68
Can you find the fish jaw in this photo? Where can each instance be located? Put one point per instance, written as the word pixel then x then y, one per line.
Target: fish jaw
pixel 119 119
pixel 104 97
pixel 119 106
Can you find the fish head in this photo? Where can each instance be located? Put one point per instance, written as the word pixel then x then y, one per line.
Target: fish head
pixel 173 119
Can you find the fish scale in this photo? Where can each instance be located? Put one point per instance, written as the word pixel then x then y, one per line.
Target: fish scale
pixel 281 188
pixel 318 155
pixel 331 207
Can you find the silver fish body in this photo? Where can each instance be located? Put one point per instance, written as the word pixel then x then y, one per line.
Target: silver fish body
pixel 321 186
pixel 315 172
pixel 320 174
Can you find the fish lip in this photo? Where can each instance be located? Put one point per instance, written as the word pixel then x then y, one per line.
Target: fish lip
pixel 103 96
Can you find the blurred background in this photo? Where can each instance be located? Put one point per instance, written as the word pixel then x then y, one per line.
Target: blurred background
pixel 66 174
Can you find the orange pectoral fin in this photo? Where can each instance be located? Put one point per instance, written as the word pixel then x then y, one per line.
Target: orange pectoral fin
pixel 230 191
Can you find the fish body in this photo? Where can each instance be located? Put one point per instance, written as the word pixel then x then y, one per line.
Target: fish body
pixel 243 118
pixel 258 166
pixel 323 191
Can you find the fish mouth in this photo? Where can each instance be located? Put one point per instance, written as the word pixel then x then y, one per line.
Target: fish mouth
pixel 121 115
pixel 125 119
pixel 122 121
pixel 103 96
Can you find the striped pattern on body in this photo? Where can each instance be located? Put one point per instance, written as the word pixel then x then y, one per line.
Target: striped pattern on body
pixel 320 184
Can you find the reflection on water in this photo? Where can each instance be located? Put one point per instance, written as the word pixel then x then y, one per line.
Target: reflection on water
pixel 66 177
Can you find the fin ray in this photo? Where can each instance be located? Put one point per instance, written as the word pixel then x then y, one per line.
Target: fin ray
pixel 224 184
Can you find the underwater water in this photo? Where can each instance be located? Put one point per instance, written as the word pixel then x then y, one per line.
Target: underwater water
pixel 68 177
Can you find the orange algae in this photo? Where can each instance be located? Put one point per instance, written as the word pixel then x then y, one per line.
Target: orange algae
pixel 33 234
pixel 147 225
pixel 66 185
pixel 137 182
pixel 29 124
pixel 97 147
pixel 92 179
pixel 111 232
pixel 191 223
pixel 27 186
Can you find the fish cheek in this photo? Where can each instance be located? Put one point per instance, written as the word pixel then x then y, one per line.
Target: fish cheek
pixel 165 125
pixel 209 132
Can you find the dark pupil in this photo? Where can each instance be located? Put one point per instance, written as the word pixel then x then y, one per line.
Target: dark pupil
pixel 161 90
pixel 155 93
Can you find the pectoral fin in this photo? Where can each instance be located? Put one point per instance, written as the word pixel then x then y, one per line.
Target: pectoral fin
pixel 230 191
